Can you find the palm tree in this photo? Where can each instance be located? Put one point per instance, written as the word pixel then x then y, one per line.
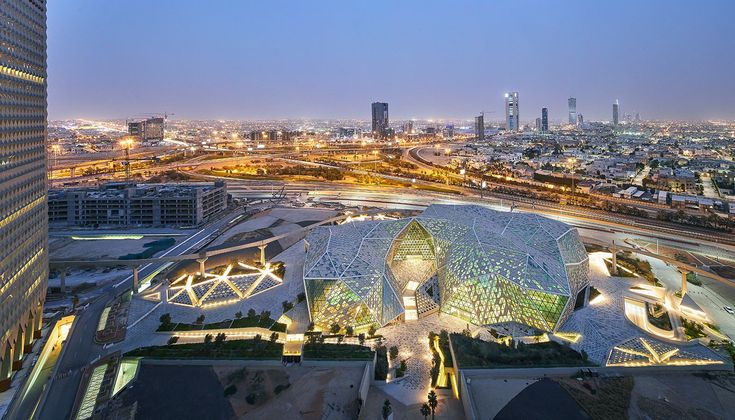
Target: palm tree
pixel 387 409
pixel 425 410
pixel 432 403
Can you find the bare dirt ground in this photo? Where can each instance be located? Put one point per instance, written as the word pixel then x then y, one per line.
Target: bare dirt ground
pixel 691 396
pixel 294 392
pixel 66 247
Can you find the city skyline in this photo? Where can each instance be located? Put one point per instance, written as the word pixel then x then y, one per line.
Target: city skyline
pixel 328 60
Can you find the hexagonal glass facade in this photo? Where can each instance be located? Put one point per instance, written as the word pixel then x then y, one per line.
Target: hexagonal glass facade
pixel 492 267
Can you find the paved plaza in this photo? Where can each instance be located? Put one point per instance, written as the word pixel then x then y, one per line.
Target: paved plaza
pixel 602 323
pixel 412 340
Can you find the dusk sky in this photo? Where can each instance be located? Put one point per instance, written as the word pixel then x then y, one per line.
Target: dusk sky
pixel 667 59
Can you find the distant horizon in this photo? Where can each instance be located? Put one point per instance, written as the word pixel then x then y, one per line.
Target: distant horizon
pixel 667 60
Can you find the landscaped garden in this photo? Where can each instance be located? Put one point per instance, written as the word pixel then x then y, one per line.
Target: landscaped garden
pixel 252 319
pixel 476 353
pixel 329 351
pixel 256 348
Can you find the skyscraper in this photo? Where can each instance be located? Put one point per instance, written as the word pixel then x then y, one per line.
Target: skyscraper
pixel 616 111
pixel 480 127
pixel 572 110
pixel 544 120
pixel 511 112
pixel 23 208
pixel 380 119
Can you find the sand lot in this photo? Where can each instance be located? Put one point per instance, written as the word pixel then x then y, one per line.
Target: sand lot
pixel 294 392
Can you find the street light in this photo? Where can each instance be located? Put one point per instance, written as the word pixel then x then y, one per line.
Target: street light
pixel 127 142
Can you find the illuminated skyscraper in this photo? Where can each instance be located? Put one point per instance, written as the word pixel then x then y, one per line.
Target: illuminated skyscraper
pixel 544 120
pixel 380 119
pixel 616 110
pixel 572 110
pixel 511 112
pixel 23 208
pixel 480 127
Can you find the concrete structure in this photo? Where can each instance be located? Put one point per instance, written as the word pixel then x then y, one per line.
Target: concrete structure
pixel 572 102
pixel 480 127
pixel 121 204
pixel 150 129
pixel 380 119
pixel 480 265
pixel 23 221
pixel 512 121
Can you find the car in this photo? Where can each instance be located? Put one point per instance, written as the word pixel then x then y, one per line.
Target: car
pixel 728 310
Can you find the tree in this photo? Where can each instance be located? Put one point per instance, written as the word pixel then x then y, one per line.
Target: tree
pixel 361 339
pixel 349 330
pixel 252 313
pixel 287 306
pixel 165 319
pixel 238 314
pixel 334 329
pixel 301 297
pixel 265 315
pixel 371 331
pixel 387 409
pixel 200 319
pixel 425 410
pixel 274 337
pixel 393 351
pixel 172 340
pixel 220 338
pixel 340 338
pixel 74 302
pixel 207 338
pixel 433 402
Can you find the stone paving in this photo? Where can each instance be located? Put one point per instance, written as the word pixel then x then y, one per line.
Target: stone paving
pixel 143 333
pixel 412 340
pixel 603 324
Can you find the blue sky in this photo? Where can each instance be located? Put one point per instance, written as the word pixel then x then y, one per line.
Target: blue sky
pixel 671 59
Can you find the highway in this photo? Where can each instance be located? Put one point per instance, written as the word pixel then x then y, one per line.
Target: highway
pixel 80 348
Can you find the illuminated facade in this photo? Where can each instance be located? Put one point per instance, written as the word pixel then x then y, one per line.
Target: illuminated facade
pixel 483 266
pixel 23 214
pixel 512 120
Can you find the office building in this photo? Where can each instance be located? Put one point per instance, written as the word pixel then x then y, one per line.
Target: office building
pixel 150 129
pixel 121 204
pixel 512 120
pixel 580 119
pixel 488 267
pixel 538 124
pixel 23 220
pixel 545 120
pixel 616 113
pixel 480 127
pixel 572 102
pixel 380 120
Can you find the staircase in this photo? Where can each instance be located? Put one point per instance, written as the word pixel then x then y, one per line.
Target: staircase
pixel 409 302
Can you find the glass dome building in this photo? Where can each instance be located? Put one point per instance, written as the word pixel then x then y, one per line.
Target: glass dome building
pixel 483 266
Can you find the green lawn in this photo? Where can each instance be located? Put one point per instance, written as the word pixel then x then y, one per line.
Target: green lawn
pixel 327 351
pixel 229 349
pixel 476 353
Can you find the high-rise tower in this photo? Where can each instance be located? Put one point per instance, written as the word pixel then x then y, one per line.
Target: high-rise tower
pixel 480 127
pixel 616 113
pixel 511 112
pixel 544 120
pixel 23 208
pixel 380 119
pixel 572 102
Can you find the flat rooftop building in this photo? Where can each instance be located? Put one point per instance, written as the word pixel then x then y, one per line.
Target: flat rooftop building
pixel 122 204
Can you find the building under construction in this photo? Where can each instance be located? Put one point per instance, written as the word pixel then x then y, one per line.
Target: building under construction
pixel 149 129
pixel 124 204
